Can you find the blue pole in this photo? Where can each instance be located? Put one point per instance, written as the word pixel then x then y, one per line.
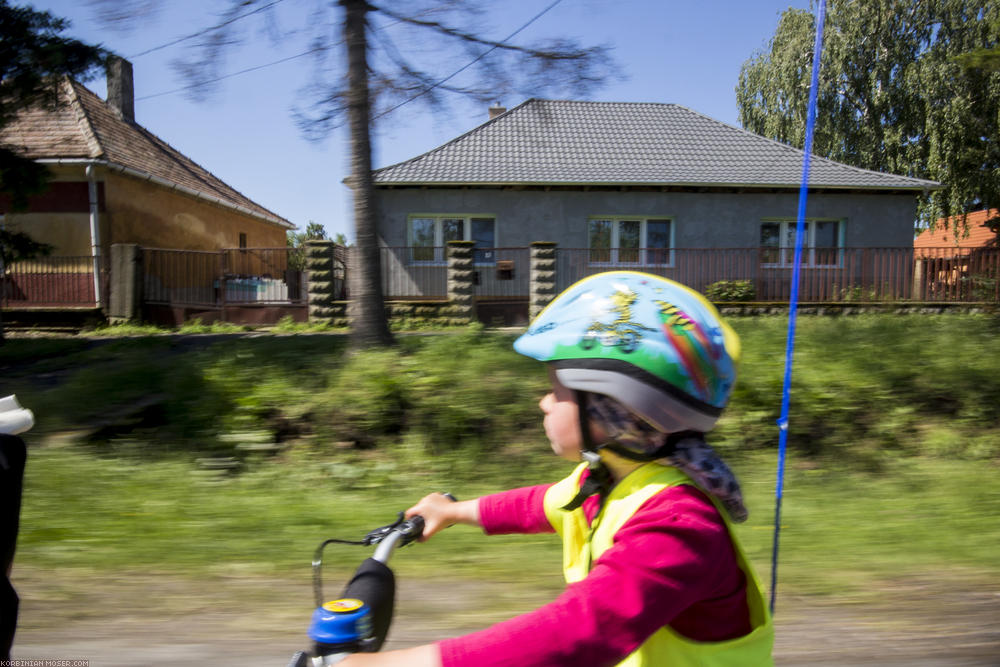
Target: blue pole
pixel 793 305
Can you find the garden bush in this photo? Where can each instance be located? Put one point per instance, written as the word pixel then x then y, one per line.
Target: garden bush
pixel 731 290
pixel 865 390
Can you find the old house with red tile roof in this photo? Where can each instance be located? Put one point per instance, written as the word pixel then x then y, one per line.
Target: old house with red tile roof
pixel 975 234
pixel 116 182
pixel 960 261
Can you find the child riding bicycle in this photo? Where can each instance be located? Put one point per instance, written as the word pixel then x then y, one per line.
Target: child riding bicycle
pixel 655 575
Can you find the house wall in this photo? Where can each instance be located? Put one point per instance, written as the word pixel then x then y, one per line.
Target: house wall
pixel 150 215
pixel 134 211
pixel 68 233
pixel 701 220
pixel 60 216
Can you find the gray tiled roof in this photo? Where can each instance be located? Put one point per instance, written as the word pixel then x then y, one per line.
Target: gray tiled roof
pixel 619 143
pixel 85 127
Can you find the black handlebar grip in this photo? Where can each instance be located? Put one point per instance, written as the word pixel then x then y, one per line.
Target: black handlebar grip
pixel 416 528
pixel 374 584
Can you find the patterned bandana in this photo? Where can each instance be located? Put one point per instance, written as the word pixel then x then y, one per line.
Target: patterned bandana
pixel 691 454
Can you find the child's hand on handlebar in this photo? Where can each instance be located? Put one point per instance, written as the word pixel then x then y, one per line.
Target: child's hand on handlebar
pixel 439 511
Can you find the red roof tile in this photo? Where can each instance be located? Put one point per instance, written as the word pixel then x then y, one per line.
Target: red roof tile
pixel 979 234
pixel 86 127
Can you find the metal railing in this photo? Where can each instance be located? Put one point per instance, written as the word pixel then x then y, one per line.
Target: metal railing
pixel 414 273
pixel 241 276
pixel 56 282
pixel 422 273
pixel 828 274
pixel 504 274
pixel 275 275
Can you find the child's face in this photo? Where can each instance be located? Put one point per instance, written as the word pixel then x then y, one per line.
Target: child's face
pixel 562 420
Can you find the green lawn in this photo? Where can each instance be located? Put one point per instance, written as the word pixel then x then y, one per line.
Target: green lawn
pixel 844 533
pixel 893 450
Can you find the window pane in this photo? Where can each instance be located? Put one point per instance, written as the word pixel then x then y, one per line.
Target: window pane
pixel 788 254
pixel 769 235
pixel 769 232
pixel 826 234
pixel 484 236
pixel 628 240
pixel 422 239
pixel 452 229
pixel 600 240
pixel 658 242
pixel 827 237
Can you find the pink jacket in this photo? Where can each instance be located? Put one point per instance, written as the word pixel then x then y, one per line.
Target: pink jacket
pixel 672 563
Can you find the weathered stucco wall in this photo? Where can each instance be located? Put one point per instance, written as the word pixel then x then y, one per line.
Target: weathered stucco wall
pixel 68 233
pixel 150 215
pixel 701 220
pixel 135 211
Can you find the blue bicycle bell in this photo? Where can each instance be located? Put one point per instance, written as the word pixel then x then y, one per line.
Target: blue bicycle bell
pixel 345 623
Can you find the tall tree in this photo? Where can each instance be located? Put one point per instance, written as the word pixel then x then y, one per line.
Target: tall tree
pixel 373 58
pixel 34 56
pixel 897 94
pixel 369 324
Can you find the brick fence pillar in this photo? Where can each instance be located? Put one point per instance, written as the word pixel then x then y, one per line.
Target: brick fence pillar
pixel 323 280
pixel 461 280
pixel 542 277
pixel 125 302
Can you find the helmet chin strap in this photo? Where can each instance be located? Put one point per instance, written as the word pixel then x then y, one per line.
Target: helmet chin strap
pixel 599 478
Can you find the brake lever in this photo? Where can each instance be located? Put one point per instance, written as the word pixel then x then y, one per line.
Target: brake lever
pixel 411 528
pixel 379 534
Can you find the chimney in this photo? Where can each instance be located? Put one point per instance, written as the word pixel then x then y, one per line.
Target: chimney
pixel 121 94
pixel 496 110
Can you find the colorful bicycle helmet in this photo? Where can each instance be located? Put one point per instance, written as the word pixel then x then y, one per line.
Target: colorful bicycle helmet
pixel 656 346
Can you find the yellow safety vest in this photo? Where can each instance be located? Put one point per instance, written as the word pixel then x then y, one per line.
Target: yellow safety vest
pixel 581 547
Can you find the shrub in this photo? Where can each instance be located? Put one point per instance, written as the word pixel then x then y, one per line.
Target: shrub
pixel 731 290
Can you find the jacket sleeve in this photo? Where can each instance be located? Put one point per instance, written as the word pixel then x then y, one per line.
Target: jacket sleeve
pixel 515 511
pixel 671 554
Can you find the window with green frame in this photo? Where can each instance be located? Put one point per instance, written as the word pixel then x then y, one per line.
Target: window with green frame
pixel 630 240
pixel 822 245
pixel 428 235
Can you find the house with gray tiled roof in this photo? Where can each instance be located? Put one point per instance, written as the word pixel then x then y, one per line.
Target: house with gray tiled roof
pixel 615 178
pixel 116 182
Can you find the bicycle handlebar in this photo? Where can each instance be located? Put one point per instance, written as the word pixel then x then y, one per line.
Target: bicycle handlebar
pixel 373 588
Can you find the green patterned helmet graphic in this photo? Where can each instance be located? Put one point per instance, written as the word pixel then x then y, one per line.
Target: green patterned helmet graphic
pixel 655 345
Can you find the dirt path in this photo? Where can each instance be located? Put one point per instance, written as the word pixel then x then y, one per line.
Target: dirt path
pixel 136 620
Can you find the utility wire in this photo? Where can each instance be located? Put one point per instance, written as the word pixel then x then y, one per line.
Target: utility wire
pixel 203 32
pixel 230 75
pixel 315 49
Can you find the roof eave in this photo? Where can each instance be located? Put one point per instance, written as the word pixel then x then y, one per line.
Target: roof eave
pixel 916 187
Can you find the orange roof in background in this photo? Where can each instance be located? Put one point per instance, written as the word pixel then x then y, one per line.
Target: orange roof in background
pixel 85 127
pixel 979 234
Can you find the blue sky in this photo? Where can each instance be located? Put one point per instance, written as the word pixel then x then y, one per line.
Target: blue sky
pixel 673 51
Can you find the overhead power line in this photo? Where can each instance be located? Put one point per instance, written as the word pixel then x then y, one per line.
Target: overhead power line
pixel 469 64
pixel 203 32
pixel 228 76
pixel 315 49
